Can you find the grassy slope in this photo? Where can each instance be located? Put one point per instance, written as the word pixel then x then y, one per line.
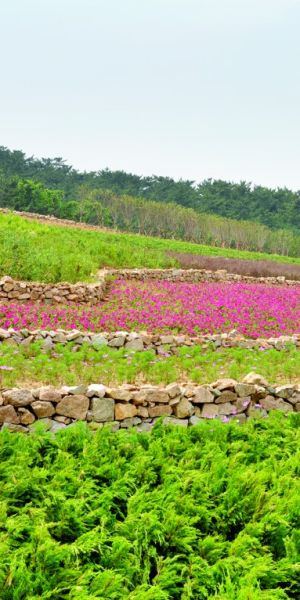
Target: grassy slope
pixel 30 366
pixel 207 512
pixel 37 252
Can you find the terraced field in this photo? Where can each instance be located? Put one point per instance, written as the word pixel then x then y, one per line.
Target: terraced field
pixel 147 450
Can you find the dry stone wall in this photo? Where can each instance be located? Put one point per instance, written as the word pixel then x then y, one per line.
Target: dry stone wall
pixel 140 406
pixel 92 293
pixel 63 293
pixel 195 276
pixel 138 341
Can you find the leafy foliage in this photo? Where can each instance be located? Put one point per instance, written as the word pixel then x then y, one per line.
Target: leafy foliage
pixel 207 512
pixel 30 365
pixel 275 208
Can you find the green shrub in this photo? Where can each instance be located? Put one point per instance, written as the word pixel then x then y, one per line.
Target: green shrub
pixel 206 512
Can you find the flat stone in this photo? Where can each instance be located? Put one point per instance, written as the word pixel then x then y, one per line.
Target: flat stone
pixel 15 427
pixel 209 411
pixel 17 397
pixel 136 345
pixel 74 406
pixel 142 411
pixel 166 339
pixel 227 409
pixel 284 391
pixel 61 419
pixel 203 396
pixel 49 395
pixel 184 409
pixel 159 410
pixel 139 397
pixel 255 378
pixel 96 389
pixel 8 414
pixel 74 389
pixel 99 341
pixel 73 335
pixel 26 416
pixel 43 409
pixel 125 411
pixel 244 389
pixel 173 389
pixel 159 396
pixel 144 427
pixel 271 403
pixel 120 394
pixel 242 404
pixel 226 396
pixel 117 342
pixel 102 409
pixel 225 384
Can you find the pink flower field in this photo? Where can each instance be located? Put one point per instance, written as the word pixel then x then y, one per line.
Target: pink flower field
pixel 255 310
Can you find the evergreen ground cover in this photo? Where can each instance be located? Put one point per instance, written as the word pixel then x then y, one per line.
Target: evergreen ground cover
pixel 32 365
pixel 49 253
pixel 211 511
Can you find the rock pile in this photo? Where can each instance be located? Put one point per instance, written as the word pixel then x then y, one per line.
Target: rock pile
pixel 140 406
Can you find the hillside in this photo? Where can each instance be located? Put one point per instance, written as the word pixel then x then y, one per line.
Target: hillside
pixel 37 251
pixel 275 208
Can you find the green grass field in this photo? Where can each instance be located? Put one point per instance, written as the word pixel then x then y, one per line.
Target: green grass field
pixel 30 366
pixel 179 514
pixel 50 253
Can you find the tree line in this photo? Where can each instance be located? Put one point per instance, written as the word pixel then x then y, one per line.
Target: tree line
pixel 276 208
pixel 147 217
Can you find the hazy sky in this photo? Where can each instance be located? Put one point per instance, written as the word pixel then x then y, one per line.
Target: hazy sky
pixel 185 88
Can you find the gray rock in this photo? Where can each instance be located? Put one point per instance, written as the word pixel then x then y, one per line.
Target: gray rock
pixel 244 389
pixel 57 426
pixel 254 378
pixel 145 427
pixel 74 406
pixel 194 420
pixel 74 389
pixel 96 389
pixel 130 422
pixel 117 342
pixel 209 411
pixel 203 396
pixel 271 403
pixel 102 409
pixel 99 341
pixel 136 345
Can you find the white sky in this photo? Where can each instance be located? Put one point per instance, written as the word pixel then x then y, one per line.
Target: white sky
pixel 185 88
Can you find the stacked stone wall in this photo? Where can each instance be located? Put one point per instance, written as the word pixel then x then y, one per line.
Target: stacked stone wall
pixel 138 341
pixel 140 406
